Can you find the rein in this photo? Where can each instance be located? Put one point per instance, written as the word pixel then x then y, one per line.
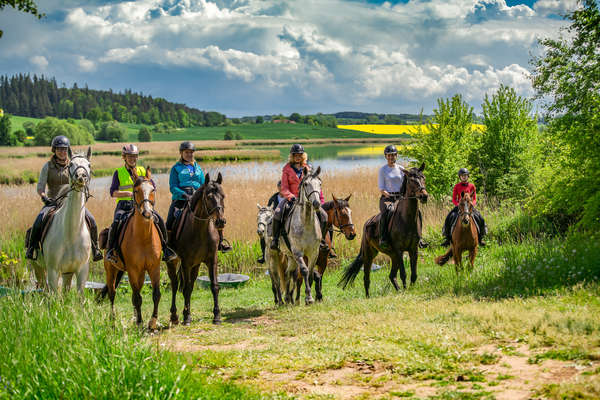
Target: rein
pixel 339 225
pixel 205 209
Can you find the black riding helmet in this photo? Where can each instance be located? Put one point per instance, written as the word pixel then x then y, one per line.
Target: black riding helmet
pixel 297 149
pixel 60 141
pixel 463 171
pixel 187 146
pixel 390 149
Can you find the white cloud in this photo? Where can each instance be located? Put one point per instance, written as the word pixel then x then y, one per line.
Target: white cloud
pixel 556 7
pixel 85 64
pixel 39 61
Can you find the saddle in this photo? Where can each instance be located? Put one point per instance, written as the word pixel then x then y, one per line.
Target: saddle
pixel 103 239
pixel 46 222
pixel 178 224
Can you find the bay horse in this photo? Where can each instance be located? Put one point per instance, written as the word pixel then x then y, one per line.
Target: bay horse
pixel 339 215
pixel 464 235
pixel 141 251
pixel 404 227
pixel 66 247
pixel 198 243
pixel 303 233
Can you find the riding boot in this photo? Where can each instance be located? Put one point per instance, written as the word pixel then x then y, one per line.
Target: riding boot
pixel 261 259
pixel 224 245
pixel 446 231
pixel 111 253
pixel 422 243
pixel 323 246
pixel 91 223
pixel 168 253
pixel 34 238
pixel 276 234
pixel 331 250
pixel 384 242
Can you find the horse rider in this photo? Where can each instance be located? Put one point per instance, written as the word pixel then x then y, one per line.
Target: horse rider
pixel 185 177
pixel 55 175
pixel 463 186
pixel 121 189
pixel 292 175
pixel 272 203
pixel 392 187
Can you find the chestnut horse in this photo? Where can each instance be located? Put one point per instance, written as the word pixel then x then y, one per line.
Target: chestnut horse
pixel 198 243
pixel 464 235
pixel 404 233
pixel 141 249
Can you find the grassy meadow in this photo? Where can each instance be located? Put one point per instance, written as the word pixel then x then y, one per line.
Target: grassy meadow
pixel 523 324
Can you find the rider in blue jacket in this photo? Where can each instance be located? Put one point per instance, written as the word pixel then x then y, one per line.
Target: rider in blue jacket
pixel 186 176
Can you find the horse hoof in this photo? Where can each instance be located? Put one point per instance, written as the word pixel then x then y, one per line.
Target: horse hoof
pixel 217 321
pixel 174 320
pixel 309 301
pixel 187 321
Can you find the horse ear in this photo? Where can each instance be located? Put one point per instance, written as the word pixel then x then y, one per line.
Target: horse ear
pixel 305 171
pixel 317 172
pixel 148 173
pixel 258 206
pixel 89 153
pixel 422 167
pixel 219 178
pixel 70 153
pixel 206 178
pixel 462 194
pixel 348 198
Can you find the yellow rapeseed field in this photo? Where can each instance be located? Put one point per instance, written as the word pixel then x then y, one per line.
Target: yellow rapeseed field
pixel 393 129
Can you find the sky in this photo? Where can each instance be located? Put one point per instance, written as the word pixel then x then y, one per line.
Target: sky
pixel 259 57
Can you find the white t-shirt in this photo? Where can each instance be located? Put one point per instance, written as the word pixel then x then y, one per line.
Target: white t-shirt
pixel 391 178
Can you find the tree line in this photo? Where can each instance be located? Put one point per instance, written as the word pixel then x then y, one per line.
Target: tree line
pixel 41 97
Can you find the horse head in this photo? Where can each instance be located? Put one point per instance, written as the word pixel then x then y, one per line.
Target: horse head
pixel 465 208
pixel 342 217
pixel 212 199
pixel 415 183
pixel 144 194
pixel 311 187
pixel 80 171
pixel 264 217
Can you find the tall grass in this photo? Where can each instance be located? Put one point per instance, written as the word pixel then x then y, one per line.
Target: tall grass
pixel 69 348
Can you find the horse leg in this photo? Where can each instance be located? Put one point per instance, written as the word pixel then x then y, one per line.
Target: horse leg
pixel 308 299
pixel 290 279
pixel 40 275
pixel 298 280
pixel 369 255
pixel 414 257
pixel 188 277
pixel 214 288
pixel 155 278
pixel 397 264
pixel 111 278
pixel 82 277
pixel 472 254
pixel 457 257
pixel 136 281
pixel 52 279
pixel 174 278
pixel 318 285
pixel 66 281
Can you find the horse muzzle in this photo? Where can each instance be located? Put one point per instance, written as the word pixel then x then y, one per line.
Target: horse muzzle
pixel 423 197
pixel 220 222
pixel 350 236
pixel 146 214
pixel 316 204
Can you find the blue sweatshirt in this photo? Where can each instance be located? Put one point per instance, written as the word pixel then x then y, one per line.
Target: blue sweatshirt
pixel 184 176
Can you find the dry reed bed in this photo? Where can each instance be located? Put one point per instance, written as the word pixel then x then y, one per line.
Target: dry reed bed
pixel 20 204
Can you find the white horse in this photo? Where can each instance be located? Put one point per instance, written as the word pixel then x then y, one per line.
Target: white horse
pixel 304 235
pixel 274 259
pixel 66 248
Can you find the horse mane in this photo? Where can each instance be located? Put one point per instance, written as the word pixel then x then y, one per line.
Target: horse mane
pixel 328 205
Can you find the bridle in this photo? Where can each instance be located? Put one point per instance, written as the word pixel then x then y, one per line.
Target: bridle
pixel 205 210
pixel 465 211
pixel 74 187
pixel 420 188
pixel 340 226
pixel 264 225
pixel 307 196
pixel 141 203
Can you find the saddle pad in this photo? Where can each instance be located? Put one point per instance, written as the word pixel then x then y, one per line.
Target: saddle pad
pixel 179 224
pixel 103 239
pixel 46 222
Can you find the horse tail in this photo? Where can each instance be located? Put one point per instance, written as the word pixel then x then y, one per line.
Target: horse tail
pixel 104 292
pixel 443 259
pixel 351 271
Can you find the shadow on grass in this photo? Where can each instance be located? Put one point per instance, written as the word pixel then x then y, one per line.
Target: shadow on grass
pixel 242 315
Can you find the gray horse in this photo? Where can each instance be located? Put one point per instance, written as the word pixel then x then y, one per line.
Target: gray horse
pixel 303 233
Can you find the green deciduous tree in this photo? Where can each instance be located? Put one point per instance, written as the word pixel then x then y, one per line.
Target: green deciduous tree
pixel 5 136
pixel 144 134
pixel 445 144
pixel 51 127
pixel 112 131
pixel 567 78
pixel 501 153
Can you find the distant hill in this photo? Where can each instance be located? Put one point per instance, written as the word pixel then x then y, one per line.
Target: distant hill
pixel 41 97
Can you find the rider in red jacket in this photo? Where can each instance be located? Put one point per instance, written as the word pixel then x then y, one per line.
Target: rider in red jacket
pixel 463 186
pixel 291 176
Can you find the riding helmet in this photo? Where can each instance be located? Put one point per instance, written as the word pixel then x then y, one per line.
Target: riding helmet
pixel 463 171
pixel 297 149
pixel 130 149
pixel 390 149
pixel 187 146
pixel 60 141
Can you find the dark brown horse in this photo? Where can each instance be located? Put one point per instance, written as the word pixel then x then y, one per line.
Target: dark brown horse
pixel 464 235
pixel 141 251
pixel 198 243
pixel 404 233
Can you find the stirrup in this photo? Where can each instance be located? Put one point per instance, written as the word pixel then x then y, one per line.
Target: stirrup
pixel 31 254
pixel 446 243
pixel 112 256
pixel 168 254
pixel 96 254
pixel 224 246
pixel 261 260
